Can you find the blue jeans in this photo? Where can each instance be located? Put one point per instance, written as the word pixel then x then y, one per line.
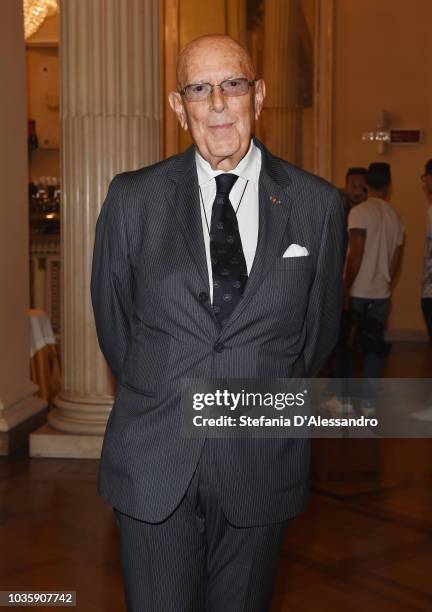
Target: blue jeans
pixel 372 364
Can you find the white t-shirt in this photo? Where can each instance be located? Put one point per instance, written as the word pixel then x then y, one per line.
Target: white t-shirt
pixel 384 232
pixel 427 265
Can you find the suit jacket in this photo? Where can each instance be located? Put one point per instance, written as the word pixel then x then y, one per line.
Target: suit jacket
pixel 155 325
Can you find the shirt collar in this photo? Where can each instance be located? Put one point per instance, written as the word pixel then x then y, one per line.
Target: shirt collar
pixel 247 167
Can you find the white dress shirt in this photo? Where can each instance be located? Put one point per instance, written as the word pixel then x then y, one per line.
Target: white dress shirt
pixel 248 170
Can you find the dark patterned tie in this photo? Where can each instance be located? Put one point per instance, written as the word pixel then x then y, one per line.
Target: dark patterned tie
pixel 226 251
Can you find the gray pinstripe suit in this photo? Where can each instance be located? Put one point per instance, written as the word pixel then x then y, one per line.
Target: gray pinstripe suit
pixel 155 325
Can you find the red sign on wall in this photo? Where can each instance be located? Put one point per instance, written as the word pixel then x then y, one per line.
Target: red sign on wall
pixel 404 136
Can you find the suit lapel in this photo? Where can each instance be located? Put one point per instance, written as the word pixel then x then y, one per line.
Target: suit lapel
pixel 183 197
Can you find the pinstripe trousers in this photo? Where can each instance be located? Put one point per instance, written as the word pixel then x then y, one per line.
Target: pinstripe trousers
pixel 195 560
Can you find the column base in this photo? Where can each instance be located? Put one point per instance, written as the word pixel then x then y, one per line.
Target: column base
pixel 52 443
pixel 17 421
pixel 76 414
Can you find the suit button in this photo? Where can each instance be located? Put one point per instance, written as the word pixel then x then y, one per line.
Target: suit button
pixel 218 347
pixel 203 296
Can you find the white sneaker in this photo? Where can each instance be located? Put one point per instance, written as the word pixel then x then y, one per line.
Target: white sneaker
pixel 368 410
pixel 422 415
pixel 335 407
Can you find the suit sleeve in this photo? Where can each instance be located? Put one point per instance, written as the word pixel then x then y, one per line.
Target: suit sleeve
pixel 112 280
pixel 325 299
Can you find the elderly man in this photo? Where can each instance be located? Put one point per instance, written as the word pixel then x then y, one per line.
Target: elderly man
pixel 190 280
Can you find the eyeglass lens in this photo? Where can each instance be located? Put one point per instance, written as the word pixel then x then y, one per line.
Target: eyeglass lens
pixel 230 87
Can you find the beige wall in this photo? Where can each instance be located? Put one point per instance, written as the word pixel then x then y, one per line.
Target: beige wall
pixel 43 106
pixel 382 62
pixel 14 263
pixel 42 65
pixel 43 97
pixel 197 19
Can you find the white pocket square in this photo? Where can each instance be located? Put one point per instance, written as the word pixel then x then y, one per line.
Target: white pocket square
pixel 295 250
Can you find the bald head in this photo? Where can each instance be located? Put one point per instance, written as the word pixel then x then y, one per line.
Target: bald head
pixel 213 44
pixel 221 122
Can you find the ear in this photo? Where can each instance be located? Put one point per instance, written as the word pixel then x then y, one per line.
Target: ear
pixel 176 102
pixel 259 95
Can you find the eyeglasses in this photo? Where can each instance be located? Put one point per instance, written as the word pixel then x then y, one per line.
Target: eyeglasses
pixel 230 87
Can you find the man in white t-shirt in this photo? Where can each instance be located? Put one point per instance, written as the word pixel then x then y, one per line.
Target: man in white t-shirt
pixel 376 237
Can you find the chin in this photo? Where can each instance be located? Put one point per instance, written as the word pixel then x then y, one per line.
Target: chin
pixel 222 152
pixel 224 148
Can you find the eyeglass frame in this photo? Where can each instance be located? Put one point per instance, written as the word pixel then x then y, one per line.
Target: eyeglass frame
pixel 250 82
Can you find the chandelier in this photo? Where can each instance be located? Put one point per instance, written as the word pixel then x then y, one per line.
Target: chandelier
pixel 35 11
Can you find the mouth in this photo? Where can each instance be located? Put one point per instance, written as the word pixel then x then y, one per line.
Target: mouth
pixel 221 126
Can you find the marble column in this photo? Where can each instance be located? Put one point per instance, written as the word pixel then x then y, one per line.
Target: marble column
pixel 281 125
pixel 20 410
pixel 110 122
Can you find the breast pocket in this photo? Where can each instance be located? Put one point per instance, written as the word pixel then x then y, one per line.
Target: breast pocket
pixel 293 263
pixel 287 289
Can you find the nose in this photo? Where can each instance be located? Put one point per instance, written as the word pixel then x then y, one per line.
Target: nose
pixel 217 100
